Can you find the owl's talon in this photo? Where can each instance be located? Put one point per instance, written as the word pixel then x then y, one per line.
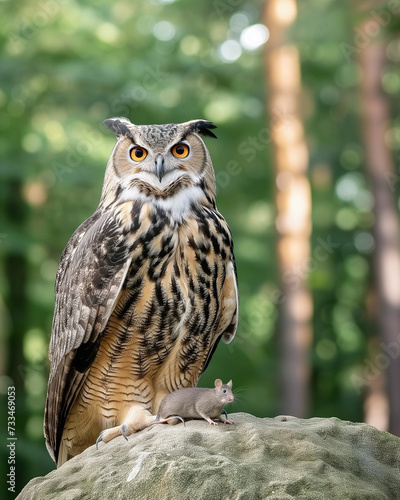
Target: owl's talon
pixel 226 421
pixel 123 431
pixel 135 422
pixel 100 438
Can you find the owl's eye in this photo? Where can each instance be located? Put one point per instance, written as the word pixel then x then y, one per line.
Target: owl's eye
pixel 180 150
pixel 138 154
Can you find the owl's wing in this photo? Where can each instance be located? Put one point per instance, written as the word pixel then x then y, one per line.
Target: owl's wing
pixel 230 304
pixel 228 296
pixel 91 273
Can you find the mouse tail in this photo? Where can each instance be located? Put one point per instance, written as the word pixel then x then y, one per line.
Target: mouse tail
pixel 159 420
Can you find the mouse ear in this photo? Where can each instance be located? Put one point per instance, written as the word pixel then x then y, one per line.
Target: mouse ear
pixel 218 383
pixel 229 384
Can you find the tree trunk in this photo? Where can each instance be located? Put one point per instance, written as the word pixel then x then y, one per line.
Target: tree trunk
pixel 293 205
pixel 380 169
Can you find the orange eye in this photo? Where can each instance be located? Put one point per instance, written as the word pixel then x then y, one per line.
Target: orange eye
pixel 138 154
pixel 180 150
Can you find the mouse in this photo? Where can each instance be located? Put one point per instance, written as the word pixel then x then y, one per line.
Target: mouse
pixel 196 403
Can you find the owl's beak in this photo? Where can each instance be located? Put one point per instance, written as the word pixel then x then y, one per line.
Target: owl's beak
pixel 160 167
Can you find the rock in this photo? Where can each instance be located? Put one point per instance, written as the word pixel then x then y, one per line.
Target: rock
pixel 283 458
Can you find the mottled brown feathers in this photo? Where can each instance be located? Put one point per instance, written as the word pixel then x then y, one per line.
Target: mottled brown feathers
pixel 146 288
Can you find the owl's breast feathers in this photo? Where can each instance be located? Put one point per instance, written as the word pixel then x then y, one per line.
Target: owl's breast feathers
pixel 135 282
pixel 180 289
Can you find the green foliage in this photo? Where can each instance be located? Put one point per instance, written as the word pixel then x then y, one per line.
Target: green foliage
pixel 68 64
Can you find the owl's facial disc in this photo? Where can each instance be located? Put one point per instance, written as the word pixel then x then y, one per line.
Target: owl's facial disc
pixel 160 162
pixel 166 165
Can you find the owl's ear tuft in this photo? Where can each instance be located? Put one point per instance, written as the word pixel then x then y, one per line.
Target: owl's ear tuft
pixel 119 126
pixel 202 127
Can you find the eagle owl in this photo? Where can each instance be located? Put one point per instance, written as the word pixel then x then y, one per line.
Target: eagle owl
pixel 145 289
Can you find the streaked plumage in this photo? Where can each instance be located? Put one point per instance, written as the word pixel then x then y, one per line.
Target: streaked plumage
pixel 145 289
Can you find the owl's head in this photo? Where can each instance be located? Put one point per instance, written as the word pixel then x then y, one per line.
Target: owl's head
pixel 159 162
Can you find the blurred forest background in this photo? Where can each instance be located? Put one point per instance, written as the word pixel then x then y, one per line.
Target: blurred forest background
pixel 306 98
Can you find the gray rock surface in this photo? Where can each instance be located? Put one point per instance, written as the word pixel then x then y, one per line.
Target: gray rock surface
pixel 283 458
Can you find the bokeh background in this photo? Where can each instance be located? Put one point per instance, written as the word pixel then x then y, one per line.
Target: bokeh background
pixel 306 98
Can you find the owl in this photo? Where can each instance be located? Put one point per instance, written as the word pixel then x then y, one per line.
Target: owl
pixel 145 289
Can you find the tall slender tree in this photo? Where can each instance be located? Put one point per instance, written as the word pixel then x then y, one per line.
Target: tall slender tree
pixel 379 164
pixel 293 205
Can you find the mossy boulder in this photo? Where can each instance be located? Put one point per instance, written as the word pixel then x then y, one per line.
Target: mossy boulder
pixel 282 458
